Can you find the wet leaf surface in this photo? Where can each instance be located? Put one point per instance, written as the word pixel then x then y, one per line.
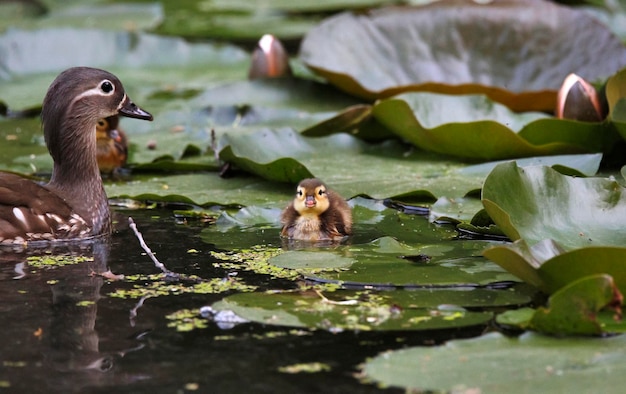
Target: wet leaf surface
pixel 558 364
pixel 390 40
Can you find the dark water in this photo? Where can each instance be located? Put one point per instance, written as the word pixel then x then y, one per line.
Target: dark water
pixel 61 333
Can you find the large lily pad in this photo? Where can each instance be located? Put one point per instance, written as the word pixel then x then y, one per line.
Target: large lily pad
pixel 390 311
pixel 481 129
pixel 537 203
pixel 30 60
pixel 549 267
pixel 516 51
pixel 495 363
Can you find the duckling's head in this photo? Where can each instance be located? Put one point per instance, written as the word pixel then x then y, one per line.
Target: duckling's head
pixel 104 125
pixel 311 198
pixel 74 103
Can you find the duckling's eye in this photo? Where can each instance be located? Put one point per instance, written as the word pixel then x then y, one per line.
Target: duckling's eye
pixel 299 193
pixel 106 86
pixel 102 123
pixel 321 192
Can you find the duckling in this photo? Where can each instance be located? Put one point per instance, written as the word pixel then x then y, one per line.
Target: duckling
pixel 73 204
pixel 269 59
pixel 316 214
pixel 112 145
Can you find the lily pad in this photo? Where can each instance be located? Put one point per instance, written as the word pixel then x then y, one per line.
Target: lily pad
pixel 387 263
pixel 482 129
pixel 549 267
pixel 348 311
pixel 574 308
pixel 516 52
pixel 537 203
pixel 32 15
pixel 31 60
pixel 494 363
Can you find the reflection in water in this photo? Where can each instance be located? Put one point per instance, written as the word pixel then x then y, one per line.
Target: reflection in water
pixel 66 327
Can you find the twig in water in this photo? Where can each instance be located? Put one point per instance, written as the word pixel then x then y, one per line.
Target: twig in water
pixel 145 247
pixel 133 312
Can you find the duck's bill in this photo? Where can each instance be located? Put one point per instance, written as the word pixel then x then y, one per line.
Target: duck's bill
pixel 130 109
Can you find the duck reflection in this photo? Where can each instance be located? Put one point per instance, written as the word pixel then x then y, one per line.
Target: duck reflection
pixel 66 330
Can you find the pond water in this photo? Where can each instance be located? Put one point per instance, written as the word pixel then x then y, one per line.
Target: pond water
pixel 63 332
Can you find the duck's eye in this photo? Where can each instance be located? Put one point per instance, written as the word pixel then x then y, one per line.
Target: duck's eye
pixel 102 123
pixel 321 192
pixel 106 86
pixel 299 193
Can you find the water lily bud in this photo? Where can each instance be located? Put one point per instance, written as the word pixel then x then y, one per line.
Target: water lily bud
pixel 579 100
pixel 269 59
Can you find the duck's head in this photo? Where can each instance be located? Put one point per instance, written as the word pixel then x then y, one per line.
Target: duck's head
pixel 76 100
pixel 311 197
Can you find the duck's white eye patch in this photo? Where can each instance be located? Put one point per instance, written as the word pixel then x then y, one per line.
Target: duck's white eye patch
pixel 107 86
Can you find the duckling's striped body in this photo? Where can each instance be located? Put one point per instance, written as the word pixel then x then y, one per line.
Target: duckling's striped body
pixel 73 204
pixel 316 214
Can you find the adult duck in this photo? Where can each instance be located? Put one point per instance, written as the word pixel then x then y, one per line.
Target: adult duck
pixel 73 205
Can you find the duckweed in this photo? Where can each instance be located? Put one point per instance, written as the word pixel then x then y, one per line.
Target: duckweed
pixel 186 320
pixel 313 367
pixel 164 288
pixel 255 259
pixel 53 261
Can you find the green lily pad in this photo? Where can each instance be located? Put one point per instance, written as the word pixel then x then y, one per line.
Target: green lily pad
pixel 144 62
pixel 417 176
pixel 31 15
pixel 387 263
pixel 311 260
pixel 349 311
pixel 482 129
pixel 537 203
pixel 574 308
pixel 243 20
pixel 549 267
pixel 494 363
pixel 434 48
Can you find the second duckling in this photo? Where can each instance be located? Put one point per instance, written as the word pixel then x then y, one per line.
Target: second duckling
pixel 316 214
pixel 112 145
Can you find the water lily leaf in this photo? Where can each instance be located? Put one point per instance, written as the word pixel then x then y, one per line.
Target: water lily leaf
pixel 434 48
pixel 574 308
pixel 571 266
pixel 364 167
pixel 350 311
pixel 303 259
pixel 537 203
pixel 31 15
pixel 31 60
pixel 523 261
pixel 481 129
pixel 205 189
pixel 558 365
pixel 242 20
pixel 385 262
pixel 549 267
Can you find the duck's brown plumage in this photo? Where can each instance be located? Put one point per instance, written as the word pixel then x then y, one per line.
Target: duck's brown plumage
pixel 73 204
pixel 316 214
